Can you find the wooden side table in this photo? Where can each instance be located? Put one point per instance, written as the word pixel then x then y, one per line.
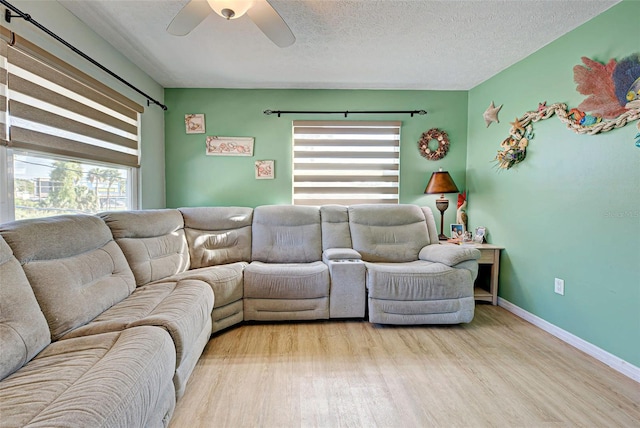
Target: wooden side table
pixel 489 255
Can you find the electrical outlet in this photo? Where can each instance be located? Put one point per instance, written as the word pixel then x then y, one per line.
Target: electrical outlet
pixel 559 286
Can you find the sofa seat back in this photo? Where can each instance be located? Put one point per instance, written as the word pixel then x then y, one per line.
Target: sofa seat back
pixel 23 327
pixel 389 233
pixel 153 241
pixel 74 267
pixel 286 234
pixel 217 235
pixel 335 227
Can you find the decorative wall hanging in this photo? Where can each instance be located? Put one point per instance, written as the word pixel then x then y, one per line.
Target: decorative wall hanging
pixel 265 169
pixel 194 123
pixel 230 146
pixel 440 137
pixel 491 114
pixel 613 101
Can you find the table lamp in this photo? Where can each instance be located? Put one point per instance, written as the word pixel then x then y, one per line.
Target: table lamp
pixel 441 182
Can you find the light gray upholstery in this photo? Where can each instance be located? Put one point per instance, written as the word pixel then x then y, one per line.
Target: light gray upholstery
pixel 335 226
pixel 286 234
pixel 410 279
pixel 347 271
pixel 182 308
pixel 92 290
pixel 388 233
pixel 120 379
pixel 215 235
pixel 219 240
pixel 153 242
pixel 23 328
pixel 226 281
pixel 218 235
pixel 74 267
pixel 348 293
pixel 286 279
pixel 286 291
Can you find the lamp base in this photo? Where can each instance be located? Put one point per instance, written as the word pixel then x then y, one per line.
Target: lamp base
pixel 442 204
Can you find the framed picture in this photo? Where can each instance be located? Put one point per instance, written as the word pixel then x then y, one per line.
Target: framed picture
pixel 457 231
pixel 194 123
pixel 265 170
pixel 480 234
pixel 230 146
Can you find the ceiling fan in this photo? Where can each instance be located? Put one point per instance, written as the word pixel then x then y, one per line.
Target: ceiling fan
pixel 260 12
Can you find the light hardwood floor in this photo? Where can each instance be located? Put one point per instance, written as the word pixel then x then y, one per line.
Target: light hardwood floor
pixel 497 371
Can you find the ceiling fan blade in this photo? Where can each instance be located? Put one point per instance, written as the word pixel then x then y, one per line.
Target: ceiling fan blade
pixel 189 17
pixel 271 23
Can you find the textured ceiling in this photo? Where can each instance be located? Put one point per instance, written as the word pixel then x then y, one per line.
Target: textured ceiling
pixel 354 44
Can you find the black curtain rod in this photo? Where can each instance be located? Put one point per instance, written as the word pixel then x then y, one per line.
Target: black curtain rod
pixel 28 18
pixel 346 113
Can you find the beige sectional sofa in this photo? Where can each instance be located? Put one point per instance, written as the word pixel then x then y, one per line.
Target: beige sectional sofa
pixel 103 318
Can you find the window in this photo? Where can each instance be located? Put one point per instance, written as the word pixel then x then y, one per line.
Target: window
pixel 345 162
pixel 45 186
pixel 70 144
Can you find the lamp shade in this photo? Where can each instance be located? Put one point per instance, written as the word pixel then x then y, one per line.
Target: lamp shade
pixel 441 182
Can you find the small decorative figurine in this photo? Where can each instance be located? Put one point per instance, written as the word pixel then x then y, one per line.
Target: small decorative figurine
pixel 461 215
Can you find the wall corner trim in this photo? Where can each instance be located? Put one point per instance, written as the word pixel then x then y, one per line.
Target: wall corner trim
pixel 599 354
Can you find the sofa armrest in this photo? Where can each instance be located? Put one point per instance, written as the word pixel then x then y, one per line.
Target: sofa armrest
pixel 340 254
pixel 449 255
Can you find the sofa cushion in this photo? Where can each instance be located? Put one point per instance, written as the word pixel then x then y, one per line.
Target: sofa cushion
pixel 183 308
pixel 388 233
pixel 121 379
pixel 23 327
pixel 218 235
pixel 75 268
pixel 286 234
pixel 286 280
pixel 226 281
pixel 153 242
pixel 417 281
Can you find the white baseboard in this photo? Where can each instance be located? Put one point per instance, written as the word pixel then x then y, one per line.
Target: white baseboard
pixel 600 354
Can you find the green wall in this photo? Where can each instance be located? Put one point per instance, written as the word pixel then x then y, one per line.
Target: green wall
pixel 196 179
pixel 56 18
pixel 572 209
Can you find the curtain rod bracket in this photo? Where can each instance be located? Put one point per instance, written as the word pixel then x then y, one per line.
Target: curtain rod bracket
pixel 8 16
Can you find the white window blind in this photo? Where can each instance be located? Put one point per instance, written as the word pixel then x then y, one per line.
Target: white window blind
pixel 345 162
pixel 55 108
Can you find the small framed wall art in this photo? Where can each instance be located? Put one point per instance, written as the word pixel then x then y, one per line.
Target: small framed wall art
pixel 194 123
pixel 230 146
pixel 265 170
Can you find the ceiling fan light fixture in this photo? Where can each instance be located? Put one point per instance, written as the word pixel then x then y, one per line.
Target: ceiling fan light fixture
pixel 230 9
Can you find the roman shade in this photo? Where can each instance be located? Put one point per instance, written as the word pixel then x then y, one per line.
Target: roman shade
pixel 55 108
pixel 345 162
